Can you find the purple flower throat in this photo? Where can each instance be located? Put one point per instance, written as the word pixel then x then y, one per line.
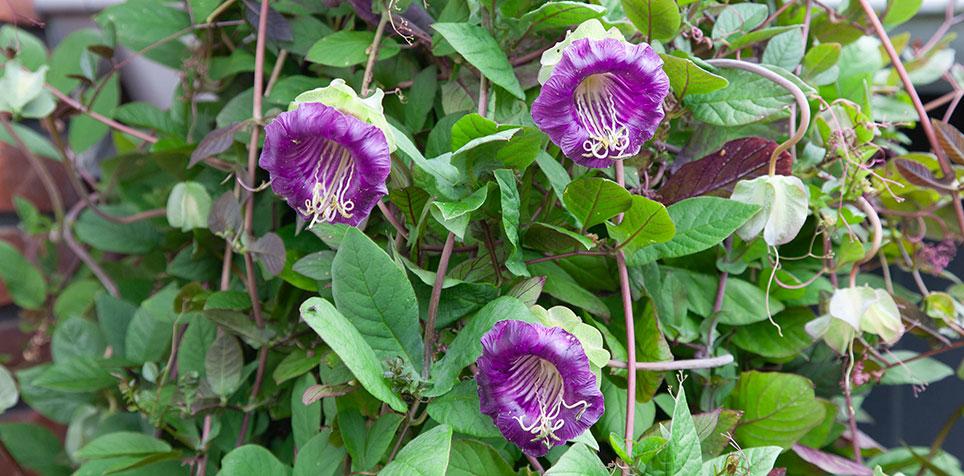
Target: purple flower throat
pixel 538 387
pixel 332 174
pixel 608 136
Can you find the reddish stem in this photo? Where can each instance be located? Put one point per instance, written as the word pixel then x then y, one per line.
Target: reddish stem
pixel 100 118
pixel 443 266
pixel 249 209
pixel 918 105
pixel 630 332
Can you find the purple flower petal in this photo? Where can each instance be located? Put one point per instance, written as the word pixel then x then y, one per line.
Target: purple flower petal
pixel 603 100
pixel 328 165
pixel 536 385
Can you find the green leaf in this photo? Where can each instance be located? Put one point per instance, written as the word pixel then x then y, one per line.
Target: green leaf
pixel 717 440
pixel 509 194
pixel 35 142
pixel 147 338
pixel 738 18
pixel 821 58
pixel 79 374
pixel 56 405
pixel 477 46
pixel 560 285
pixel 347 47
pixel 762 34
pixel 467 346
pixel 762 338
pixel 122 443
pixel 76 299
pixel 251 460
pixel 701 222
pixel 645 223
pixel 377 298
pixel 24 282
pixel 365 445
pixel 437 175
pixel 554 172
pixel 785 50
pixel 471 127
pixel 748 98
pixel 139 237
pixel 141 23
pixel 319 457
pixel 562 238
pixel 77 337
pixel 8 390
pixel 188 206
pixel 743 302
pixel 426 455
pixel 459 409
pixel 351 347
pixel 751 461
pixel 899 11
pixel 114 317
pixel 614 419
pixel 918 372
pixel 474 458
pixel 295 364
pixel 28 50
pixel 222 365
pixel 578 460
pixel 594 200
pixel 35 448
pixel 421 98
pixel 560 14
pixel 656 19
pixel 305 419
pixel 455 215
pixel 685 77
pixel 65 59
pixel 652 347
pixel 197 338
pixel 682 455
pixel 778 409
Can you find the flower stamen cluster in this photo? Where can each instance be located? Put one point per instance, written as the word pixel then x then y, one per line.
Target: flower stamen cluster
pixel 540 382
pixel 596 110
pixel 328 197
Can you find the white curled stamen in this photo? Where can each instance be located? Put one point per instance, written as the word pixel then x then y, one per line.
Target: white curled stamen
pixel 332 175
pixel 596 110
pixel 538 380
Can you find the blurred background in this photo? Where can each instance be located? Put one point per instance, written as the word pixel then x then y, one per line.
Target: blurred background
pixel 894 415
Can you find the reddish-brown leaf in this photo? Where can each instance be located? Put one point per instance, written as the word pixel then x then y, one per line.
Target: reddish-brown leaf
pixel 215 142
pixel 951 140
pixel 918 174
pixel 831 463
pixel 739 159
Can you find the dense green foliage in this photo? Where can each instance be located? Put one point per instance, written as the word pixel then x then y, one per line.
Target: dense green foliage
pixel 305 352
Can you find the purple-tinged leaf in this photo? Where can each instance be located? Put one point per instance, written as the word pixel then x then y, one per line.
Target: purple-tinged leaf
pixel 918 174
pixel 317 392
pixel 739 159
pixel 278 27
pixel 215 142
pixel 270 251
pixel 951 140
pixel 831 463
pixel 225 215
pixel 778 472
pixel 864 440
